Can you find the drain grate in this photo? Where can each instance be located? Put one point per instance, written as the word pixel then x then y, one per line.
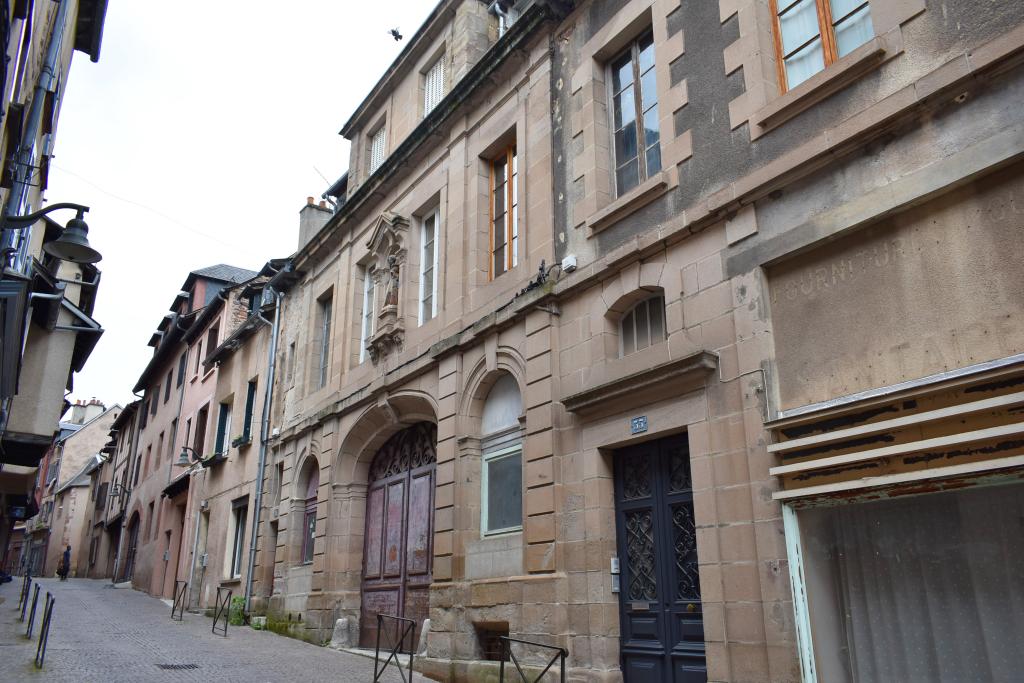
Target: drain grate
pixel 177 667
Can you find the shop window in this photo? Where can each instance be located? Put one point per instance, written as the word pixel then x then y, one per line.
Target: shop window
pixel 812 34
pixel 642 326
pixel 502 455
pixel 919 588
pixel 504 212
pixel 634 94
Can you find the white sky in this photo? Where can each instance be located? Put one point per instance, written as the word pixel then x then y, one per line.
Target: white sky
pixel 195 139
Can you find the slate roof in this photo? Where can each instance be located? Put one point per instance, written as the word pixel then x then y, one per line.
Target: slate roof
pixel 226 273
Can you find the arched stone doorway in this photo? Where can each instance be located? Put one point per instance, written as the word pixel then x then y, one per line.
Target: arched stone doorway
pixel 397 551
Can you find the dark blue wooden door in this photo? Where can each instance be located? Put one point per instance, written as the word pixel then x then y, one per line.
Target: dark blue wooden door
pixel 662 628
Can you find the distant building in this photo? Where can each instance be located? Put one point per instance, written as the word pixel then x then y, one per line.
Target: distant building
pixel 64 488
pixel 46 327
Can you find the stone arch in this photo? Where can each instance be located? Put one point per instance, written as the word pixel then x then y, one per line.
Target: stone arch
pixel 374 427
pixel 622 306
pixel 480 380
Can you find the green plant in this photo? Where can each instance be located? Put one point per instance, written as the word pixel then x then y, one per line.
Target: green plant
pixel 236 612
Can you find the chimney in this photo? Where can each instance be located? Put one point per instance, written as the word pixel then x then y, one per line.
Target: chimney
pixel 312 218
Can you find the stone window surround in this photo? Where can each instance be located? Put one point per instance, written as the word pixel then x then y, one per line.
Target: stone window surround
pixel 599 208
pixel 426 64
pixel 512 127
pixel 763 103
pixel 366 144
pixel 323 293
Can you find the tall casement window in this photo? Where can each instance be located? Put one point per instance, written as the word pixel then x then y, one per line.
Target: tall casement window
pixel 223 440
pixel 634 94
pixel 250 404
pixel 182 364
pixel 309 512
pixel 811 34
pixel 199 358
pixel 155 401
pixel 504 212
pixel 212 339
pixel 428 266
pixel 366 330
pixel 239 513
pixel 433 85
pixel 376 150
pixel 323 339
pixel 167 385
pixel 501 445
pixel 199 440
pixel 642 326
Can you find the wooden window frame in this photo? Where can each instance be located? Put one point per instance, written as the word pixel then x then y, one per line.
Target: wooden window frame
pixel 633 49
pixel 660 298
pixel 435 215
pixel 826 30
pixel 511 160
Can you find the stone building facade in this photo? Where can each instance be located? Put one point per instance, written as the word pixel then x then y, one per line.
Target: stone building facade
pixel 786 305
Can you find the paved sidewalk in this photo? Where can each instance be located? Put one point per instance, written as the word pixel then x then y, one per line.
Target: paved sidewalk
pixel 112 635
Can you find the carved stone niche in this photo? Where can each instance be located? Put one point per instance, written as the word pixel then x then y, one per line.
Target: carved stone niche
pixel 388 245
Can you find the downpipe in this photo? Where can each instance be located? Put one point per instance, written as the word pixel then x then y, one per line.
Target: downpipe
pixel 264 437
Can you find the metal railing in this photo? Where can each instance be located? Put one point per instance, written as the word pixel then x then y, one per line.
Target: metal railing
pixel 220 611
pixel 506 654
pixel 44 630
pixel 178 606
pixel 403 628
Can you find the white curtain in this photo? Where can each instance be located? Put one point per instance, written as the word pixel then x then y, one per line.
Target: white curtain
pixel 928 588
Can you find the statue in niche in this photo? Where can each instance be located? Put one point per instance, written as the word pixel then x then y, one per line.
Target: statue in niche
pixel 391 294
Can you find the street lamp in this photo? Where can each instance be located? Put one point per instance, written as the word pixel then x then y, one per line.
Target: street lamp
pixel 73 243
pixel 188 456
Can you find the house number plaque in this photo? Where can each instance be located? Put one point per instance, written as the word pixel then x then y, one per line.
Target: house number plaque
pixel 638 425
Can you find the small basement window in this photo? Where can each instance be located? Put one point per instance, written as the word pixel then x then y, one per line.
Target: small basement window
pixel 488 635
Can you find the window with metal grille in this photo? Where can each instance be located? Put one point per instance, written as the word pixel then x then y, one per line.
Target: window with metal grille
pixel 642 326
pixel 368 303
pixel 433 86
pixel 634 94
pixel 811 34
pixel 504 212
pixel 428 266
pixel 377 149
pixel 309 517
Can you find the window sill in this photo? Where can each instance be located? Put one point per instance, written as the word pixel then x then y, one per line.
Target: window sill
pixel 236 581
pixel 829 80
pixel 641 195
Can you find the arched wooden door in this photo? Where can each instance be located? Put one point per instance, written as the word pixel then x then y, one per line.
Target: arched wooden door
pixel 133 543
pixel 398 545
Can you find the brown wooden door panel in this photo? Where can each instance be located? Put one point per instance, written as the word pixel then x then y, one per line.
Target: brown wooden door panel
pixel 398 546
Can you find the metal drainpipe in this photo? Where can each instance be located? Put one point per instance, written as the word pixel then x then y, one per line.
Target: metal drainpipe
pixel 25 155
pixel 264 436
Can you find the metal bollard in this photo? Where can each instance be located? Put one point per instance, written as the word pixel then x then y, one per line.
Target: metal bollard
pixel 32 612
pixel 23 603
pixel 44 631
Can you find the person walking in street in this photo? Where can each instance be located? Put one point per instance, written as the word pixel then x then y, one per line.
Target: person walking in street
pixel 65 564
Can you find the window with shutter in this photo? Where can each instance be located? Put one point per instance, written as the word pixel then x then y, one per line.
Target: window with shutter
pixel 433 86
pixel 377 149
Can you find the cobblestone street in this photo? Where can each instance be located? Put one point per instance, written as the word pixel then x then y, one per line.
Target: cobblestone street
pixel 112 635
